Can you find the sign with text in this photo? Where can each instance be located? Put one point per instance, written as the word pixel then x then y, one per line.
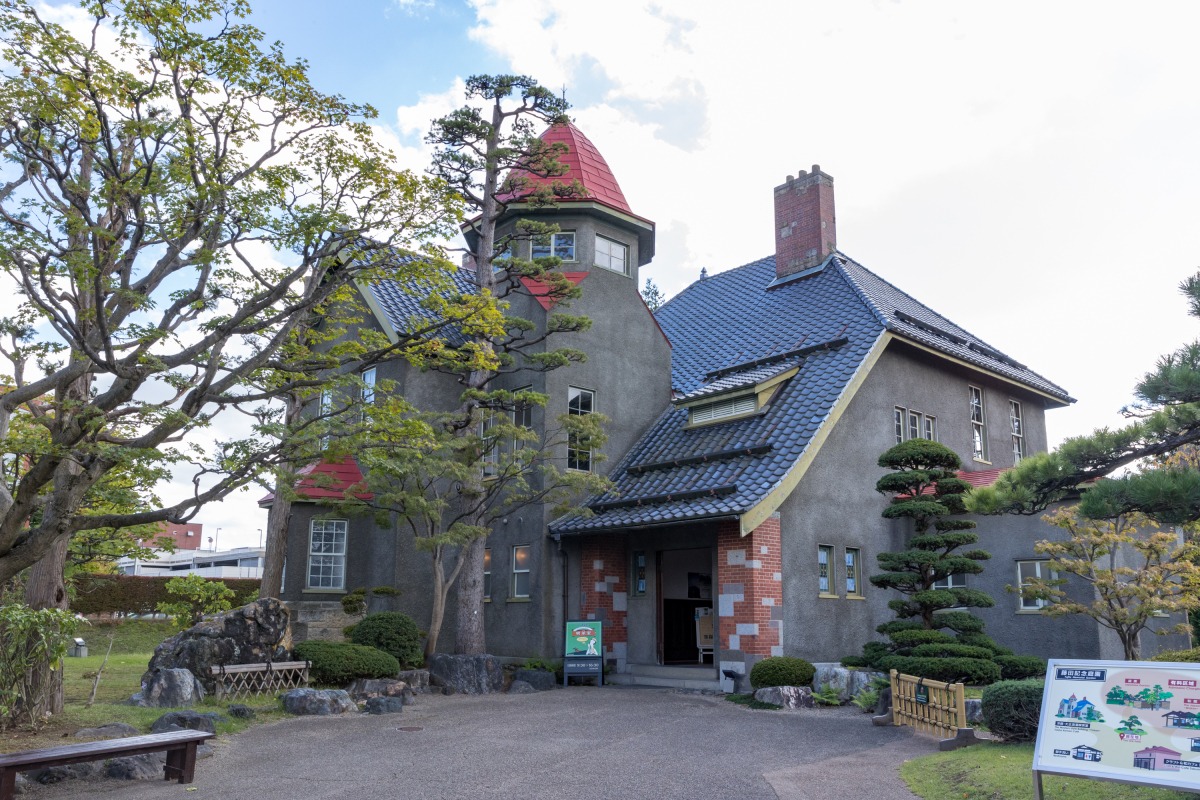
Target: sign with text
pixel 1130 721
pixel 584 639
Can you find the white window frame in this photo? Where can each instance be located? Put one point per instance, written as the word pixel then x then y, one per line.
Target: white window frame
pixel 367 393
pixel 1040 566
pixel 979 443
pixel 854 587
pixel 489 456
pixel 956 581
pixel 577 456
pixel 912 424
pixel 324 410
pixel 825 587
pixel 1017 423
pixel 899 415
pixel 552 244
pixel 738 406
pixel 329 558
pixel 606 258
pixel 931 427
pixel 522 417
pixel 519 571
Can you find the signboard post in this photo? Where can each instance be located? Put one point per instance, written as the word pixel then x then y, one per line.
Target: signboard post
pixel 1135 722
pixel 583 651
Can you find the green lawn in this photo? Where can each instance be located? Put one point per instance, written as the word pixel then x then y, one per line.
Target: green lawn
pixel 1000 771
pixel 133 644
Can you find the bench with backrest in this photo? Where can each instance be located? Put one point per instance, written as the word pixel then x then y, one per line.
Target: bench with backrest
pixel 180 747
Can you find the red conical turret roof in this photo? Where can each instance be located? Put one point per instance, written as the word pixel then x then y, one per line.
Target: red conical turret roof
pixel 585 164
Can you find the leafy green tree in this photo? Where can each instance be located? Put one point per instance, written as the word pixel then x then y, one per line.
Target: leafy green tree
pixel 1135 570
pixel 490 157
pixel 177 199
pixel 192 597
pixel 653 296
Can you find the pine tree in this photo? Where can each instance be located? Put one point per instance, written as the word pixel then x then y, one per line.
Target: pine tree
pixel 653 296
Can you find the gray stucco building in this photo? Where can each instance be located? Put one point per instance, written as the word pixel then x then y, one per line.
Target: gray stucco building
pixel 747 415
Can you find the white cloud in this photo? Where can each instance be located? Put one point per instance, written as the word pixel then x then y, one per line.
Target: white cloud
pixel 1027 169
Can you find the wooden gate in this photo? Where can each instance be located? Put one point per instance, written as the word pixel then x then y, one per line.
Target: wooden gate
pixel 237 681
pixel 932 708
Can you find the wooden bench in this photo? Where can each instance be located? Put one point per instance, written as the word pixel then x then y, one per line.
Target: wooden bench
pixel 180 747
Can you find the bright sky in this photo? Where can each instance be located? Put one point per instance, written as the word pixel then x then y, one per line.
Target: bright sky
pixel 1028 169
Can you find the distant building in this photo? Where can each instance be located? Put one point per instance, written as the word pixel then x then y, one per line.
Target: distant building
pixel 240 562
pixel 186 536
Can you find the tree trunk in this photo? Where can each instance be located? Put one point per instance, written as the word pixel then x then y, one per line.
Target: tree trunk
pixel 438 613
pixel 45 588
pixel 276 550
pixel 470 637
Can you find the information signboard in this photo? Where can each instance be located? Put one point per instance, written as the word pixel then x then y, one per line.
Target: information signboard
pixel 583 650
pixel 1128 721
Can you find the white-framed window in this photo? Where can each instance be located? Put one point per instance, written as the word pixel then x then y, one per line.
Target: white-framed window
pixel 612 255
pixel 487 573
pixel 1018 430
pixel 580 402
pixel 719 409
pixel 522 417
pixel 978 425
pixel 367 394
pixel 824 569
pixel 327 554
pixel 561 244
pixel 957 581
pixel 1026 572
pixel 853 579
pixel 909 423
pixel 522 554
pixel 324 409
pixel 489 448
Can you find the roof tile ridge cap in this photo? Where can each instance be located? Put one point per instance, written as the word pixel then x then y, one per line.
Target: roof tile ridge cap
pixel 839 260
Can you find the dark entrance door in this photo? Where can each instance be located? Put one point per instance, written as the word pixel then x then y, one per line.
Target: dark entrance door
pixel 684 585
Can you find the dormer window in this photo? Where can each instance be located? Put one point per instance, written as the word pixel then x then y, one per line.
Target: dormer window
pixel 612 255
pixel 720 409
pixel 560 245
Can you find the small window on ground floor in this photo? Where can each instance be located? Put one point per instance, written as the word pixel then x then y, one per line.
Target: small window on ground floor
pixel 825 569
pixel 1027 571
pixel 327 554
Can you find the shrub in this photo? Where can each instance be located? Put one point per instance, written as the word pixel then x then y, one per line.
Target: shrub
pixel 31 644
pixel 949 670
pixel 391 632
pixel 952 650
pixel 912 638
pixel 866 699
pixel 782 671
pixel 983 640
pixel 827 695
pixel 855 662
pixel 1011 709
pixel 1015 668
pixel 338 663
pixel 1192 655
pixel 193 596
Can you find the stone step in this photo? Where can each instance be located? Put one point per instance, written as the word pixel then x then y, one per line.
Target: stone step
pixel 681 671
pixel 629 679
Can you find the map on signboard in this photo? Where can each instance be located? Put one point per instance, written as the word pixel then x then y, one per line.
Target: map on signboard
pixel 1122 720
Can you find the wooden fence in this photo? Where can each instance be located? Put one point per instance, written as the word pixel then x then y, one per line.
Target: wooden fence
pixel 933 708
pixel 236 681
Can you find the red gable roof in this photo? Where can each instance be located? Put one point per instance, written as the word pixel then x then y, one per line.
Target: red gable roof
pixel 983 477
pixel 327 479
pixel 541 290
pixel 585 164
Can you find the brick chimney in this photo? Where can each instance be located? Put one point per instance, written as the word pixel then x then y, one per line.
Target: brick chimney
pixel 805 226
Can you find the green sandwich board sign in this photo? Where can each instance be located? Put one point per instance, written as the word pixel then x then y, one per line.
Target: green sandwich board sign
pixel 583 650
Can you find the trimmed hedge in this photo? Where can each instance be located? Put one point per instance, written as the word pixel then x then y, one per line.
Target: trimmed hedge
pixel 1192 655
pixel 1011 709
pixel 782 671
pixel 949 670
pixel 136 594
pixel 983 640
pixel 391 632
pixel 914 638
pixel 1015 668
pixel 952 650
pixel 338 663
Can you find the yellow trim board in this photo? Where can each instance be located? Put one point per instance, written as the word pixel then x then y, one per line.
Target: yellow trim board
pixel 770 504
pixel 377 312
pixel 981 370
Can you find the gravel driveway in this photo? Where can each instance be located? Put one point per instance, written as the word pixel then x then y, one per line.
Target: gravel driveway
pixel 582 742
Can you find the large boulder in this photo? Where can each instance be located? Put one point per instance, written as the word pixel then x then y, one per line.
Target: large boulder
pixel 417 679
pixel 480 674
pixel 186 721
pixel 168 688
pixel 847 682
pixel 363 689
pixel 790 697
pixel 253 634
pixel 384 705
pixel 539 679
pixel 320 702
pixel 111 730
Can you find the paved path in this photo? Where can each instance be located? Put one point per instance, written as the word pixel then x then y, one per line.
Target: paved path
pixel 584 742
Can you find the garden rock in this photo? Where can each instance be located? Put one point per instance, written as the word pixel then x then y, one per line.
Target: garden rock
pixel 320 702
pixel 974 711
pixel 384 705
pixel 49 775
pixel 253 634
pixel 112 730
pixel 847 682
pixel 789 697
pixel 363 689
pixel 417 679
pixel 521 687
pixel 168 688
pixel 136 768
pixel 186 720
pixel 480 674
pixel 539 679
pixel 239 711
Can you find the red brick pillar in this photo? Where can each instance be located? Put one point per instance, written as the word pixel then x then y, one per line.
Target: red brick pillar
pixel 603 593
pixel 750 600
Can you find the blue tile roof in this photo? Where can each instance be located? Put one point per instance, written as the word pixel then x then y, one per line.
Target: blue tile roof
pixel 730 330
pixel 403 301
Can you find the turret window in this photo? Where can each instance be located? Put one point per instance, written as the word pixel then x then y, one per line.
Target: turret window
pixel 560 245
pixel 612 255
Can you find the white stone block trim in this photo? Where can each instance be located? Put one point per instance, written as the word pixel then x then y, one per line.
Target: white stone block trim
pixel 598 564
pixel 737 557
pixel 777 650
pixel 735 642
pixel 778 576
pixel 768 601
pixel 601 587
pixel 725 603
pixel 619 601
pixel 747 629
pixel 764 550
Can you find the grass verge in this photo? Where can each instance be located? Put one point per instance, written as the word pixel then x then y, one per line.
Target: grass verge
pixel 987 771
